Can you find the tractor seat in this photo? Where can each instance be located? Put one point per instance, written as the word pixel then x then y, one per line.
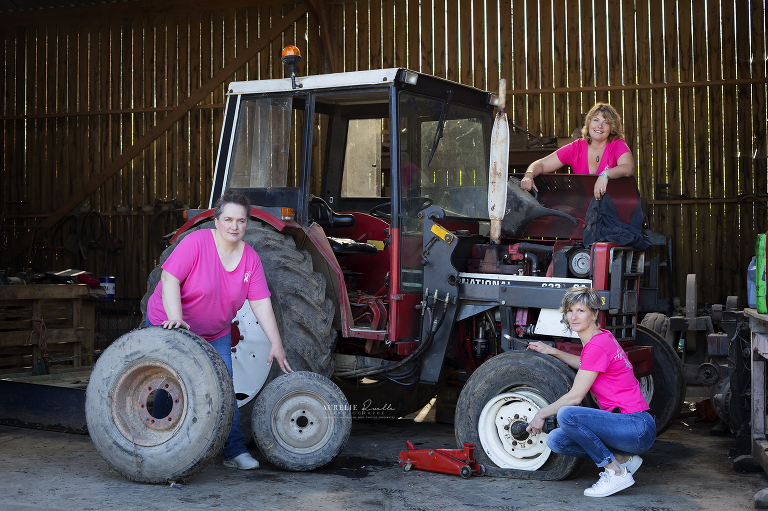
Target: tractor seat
pixel 346 246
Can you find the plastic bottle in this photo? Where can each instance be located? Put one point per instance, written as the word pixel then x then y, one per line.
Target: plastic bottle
pixel 760 274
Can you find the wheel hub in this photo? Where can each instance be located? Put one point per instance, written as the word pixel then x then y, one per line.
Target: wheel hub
pixel 132 398
pixel 302 422
pixel 496 425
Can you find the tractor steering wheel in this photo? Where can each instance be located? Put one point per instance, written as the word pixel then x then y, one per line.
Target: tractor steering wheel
pixel 410 204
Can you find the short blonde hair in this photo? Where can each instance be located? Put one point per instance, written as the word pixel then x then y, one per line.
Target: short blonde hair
pixel 580 295
pixel 610 114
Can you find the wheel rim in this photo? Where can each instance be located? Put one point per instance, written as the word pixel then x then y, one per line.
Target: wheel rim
pixel 646 387
pixel 495 424
pixel 303 422
pixel 249 355
pixel 131 399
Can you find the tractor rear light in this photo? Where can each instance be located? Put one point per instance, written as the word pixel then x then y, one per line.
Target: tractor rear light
pixel 493 99
pixel 184 215
pixel 287 213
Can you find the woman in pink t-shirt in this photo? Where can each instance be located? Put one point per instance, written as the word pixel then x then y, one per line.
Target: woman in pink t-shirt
pixel 622 428
pixel 600 151
pixel 205 281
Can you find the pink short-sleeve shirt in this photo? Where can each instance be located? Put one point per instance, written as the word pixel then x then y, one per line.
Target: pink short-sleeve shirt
pixel 576 155
pixel 210 295
pixel 615 384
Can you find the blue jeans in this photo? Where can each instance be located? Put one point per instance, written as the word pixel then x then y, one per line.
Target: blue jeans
pixel 235 443
pixel 596 434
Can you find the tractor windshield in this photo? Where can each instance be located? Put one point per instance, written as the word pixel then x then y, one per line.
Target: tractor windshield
pixel 457 177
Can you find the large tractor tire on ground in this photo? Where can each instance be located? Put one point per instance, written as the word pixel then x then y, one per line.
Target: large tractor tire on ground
pixel 121 391
pixel 383 399
pixel 304 315
pixel 659 323
pixel 665 388
pixel 301 421
pixel 507 389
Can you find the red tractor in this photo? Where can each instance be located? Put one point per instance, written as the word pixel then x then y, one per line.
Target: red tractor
pixel 369 193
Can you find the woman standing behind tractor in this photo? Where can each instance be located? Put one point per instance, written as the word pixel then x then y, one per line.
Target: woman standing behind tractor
pixel 600 151
pixel 622 428
pixel 204 283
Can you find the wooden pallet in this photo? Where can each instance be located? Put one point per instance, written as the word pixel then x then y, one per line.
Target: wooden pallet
pixel 68 323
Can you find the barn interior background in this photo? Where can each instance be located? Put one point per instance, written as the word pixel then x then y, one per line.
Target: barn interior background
pixel 111 112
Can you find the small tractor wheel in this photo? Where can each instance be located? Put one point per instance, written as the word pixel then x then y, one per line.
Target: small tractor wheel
pixel 659 323
pixel 506 389
pixel 664 389
pixel 304 315
pixel 121 391
pixel 301 421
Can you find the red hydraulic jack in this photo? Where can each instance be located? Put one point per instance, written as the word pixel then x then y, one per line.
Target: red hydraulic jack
pixel 445 461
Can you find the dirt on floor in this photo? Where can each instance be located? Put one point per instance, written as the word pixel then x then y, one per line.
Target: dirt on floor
pixel 687 469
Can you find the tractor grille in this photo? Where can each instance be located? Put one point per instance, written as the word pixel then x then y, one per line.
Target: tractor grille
pixel 634 260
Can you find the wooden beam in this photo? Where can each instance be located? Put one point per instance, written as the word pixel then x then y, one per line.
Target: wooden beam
pixel 144 142
pixel 641 86
pixel 320 11
pixel 214 106
pixel 140 8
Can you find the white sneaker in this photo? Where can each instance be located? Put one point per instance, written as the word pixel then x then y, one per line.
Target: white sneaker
pixel 610 483
pixel 632 464
pixel 244 462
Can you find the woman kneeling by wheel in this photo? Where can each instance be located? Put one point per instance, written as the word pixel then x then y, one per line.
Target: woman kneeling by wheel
pixel 622 428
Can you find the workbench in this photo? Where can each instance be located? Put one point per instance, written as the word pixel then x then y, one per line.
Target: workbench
pixel 758 324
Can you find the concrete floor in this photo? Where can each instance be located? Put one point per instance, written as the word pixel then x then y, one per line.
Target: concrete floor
pixel 686 469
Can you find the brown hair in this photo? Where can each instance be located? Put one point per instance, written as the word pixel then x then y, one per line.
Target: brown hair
pixel 231 196
pixel 610 114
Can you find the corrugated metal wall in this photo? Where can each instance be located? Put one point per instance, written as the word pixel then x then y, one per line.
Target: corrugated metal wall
pixel 81 85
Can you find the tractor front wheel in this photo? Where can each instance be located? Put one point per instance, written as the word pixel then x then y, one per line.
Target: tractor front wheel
pixel 301 421
pixel 506 390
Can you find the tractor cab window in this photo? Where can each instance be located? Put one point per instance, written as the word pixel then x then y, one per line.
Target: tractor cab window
pixel 266 150
pixel 362 159
pixel 450 170
pixel 444 151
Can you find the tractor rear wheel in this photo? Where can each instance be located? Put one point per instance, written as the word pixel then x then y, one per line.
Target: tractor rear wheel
pixel 507 389
pixel 304 315
pixel 664 389
pixel 141 442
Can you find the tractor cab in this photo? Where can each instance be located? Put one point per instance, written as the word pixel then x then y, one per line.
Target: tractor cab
pixel 350 160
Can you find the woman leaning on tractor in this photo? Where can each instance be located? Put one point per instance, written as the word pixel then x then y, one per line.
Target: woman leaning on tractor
pixel 204 283
pixel 600 151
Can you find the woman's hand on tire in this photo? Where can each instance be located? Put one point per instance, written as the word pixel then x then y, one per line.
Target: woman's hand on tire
pixel 541 347
pixel 278 353
pixel 175 323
